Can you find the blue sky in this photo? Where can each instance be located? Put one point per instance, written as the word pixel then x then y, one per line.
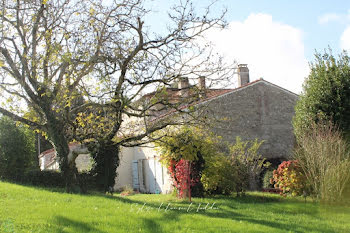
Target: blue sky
pixel 308 15
pixel 277 38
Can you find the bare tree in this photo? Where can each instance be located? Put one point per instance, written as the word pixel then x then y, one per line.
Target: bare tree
pixel 77 70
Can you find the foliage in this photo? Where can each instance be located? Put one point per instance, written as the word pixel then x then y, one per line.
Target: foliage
pixel 182 151
pixel 186 177
pixel 17 150
pixel 326 94
pixel 249 159
pixel 105 167
pixel 183 143
pixel 234 173
pixel 218 172
pixel 289 178
pixel 324 156
pixel 86 182
pixel 53 179
pixel 182 178
pixel 224 175
pixel 268 175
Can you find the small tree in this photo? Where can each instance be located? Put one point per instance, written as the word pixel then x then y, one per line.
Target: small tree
pixel 326 94
pixel 17 150
pixel 247 152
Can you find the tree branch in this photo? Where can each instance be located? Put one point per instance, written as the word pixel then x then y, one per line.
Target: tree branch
pixel 20 119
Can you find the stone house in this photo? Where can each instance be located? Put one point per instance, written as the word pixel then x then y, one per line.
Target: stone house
pixel 256 109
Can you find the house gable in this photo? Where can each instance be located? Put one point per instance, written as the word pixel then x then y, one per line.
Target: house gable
pixel 257 110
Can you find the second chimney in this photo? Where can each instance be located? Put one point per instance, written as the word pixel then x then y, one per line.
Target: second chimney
pixel 243 74
pixel 183 86
pixel 201 83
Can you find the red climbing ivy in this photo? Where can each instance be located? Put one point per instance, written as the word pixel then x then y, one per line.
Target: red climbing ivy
pixel 184 176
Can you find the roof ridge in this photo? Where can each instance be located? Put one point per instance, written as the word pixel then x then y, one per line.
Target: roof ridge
pixel 221 94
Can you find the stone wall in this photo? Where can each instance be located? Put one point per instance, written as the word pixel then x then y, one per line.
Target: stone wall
pixel 259 110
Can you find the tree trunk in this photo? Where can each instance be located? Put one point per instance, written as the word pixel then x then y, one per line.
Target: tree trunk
pixel 60 143
pixel 106 163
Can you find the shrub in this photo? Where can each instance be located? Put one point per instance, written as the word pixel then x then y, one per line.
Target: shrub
pixel 267 178
pixel 211 168
pixel 347 191
pixel 249 159
pixel 324 157
pixel 44 178
pixel 236 172
pixel 224 175
pixel 106 161
pixel 55 179
pixel 180 149
pixel 17 150
pixel 289 178
pixel 86 181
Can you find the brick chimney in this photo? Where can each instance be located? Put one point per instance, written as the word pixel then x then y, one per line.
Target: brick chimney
pixel 201 86
pixel 243 74
pixel 201 83
pixel 184 86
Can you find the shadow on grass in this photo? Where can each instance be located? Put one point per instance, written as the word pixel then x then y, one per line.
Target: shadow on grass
pixel 151 225
pixel 68 225
pixel 229 208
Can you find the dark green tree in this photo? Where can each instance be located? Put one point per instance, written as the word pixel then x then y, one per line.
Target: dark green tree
pixel 326 94
pixel 17 150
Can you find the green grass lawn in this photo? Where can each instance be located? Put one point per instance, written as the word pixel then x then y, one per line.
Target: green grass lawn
pixel 30 209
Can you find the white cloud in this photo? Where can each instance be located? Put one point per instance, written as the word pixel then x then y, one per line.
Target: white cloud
pixel 345 39
pixel 272 50
pixel 326 18
pixel 334 17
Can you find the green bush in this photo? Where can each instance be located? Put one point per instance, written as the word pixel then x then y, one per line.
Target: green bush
pixel 221 168
pixel 347 191
pixel 237 172
pixel 267 179
pixel 55 179
pixel 224 175
pixel 247 154
pixel 17 150
pixel 44 178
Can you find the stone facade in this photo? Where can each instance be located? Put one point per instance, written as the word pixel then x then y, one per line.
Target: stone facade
pixel 257 110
